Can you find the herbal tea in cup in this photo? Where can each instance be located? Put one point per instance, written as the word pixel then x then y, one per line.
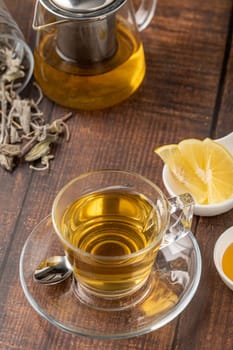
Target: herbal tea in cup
pixel 112 224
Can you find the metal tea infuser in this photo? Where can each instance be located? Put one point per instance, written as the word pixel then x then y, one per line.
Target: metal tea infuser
pixel 89 53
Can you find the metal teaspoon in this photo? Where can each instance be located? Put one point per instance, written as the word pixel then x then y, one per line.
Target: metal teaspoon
pixel 53 270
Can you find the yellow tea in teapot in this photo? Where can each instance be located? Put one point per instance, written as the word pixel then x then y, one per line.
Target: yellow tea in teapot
pixel 101 84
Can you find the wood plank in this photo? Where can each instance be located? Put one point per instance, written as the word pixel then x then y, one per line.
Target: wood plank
pixel 224 123
pixel 211 307
pixel 184 49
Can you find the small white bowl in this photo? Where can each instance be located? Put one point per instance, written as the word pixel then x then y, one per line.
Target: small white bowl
pixel 174 187
pixel 221 245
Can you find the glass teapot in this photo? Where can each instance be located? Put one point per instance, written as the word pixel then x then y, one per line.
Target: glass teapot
pixel 88 53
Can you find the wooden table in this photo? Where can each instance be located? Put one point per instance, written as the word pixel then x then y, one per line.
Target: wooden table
pixel 187 92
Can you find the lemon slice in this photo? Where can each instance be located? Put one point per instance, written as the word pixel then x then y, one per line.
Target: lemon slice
pixel 205 168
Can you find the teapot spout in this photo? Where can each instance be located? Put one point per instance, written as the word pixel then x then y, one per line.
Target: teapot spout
pixel 40 20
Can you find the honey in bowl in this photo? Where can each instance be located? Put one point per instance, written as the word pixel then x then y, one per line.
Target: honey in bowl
pixel 227 262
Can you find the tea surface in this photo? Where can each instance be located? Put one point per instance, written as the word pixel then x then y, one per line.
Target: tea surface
pixel 110 225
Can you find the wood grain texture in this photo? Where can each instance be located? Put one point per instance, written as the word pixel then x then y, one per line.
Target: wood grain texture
pixel 187 92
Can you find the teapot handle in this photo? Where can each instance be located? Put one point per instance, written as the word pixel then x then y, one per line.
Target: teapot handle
pixel 145 13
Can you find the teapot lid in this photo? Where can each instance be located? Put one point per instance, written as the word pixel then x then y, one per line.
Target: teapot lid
pixel 81 5
pixel 81 8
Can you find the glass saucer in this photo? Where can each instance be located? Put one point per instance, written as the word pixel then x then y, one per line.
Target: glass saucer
pixel 173 283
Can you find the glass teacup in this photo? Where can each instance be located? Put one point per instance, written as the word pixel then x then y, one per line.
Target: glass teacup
pixel 112 224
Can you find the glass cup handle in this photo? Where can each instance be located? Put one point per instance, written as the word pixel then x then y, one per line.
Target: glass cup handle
pixel 145 13
pixel 181 215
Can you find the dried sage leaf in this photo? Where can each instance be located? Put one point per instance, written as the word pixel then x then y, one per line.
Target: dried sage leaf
pixel 6 162
pixel 14 136
pixel 41 149
pixel 24 132
pixel 23 111
pixel 11 68
pixel 10 150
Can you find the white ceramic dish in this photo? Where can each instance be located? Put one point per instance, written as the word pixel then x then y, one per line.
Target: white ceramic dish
pixel 174 187
pixel 220 246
